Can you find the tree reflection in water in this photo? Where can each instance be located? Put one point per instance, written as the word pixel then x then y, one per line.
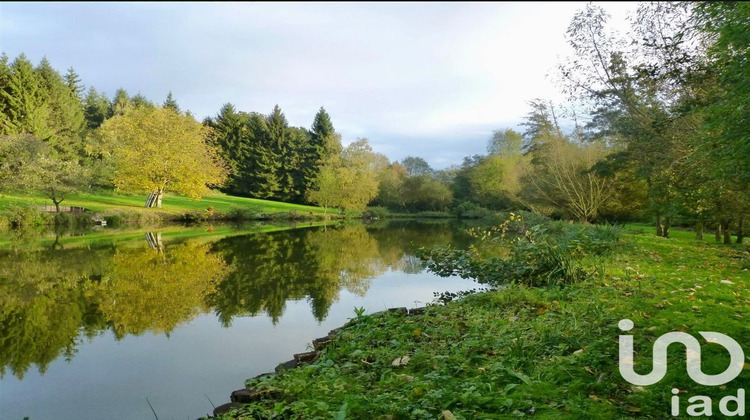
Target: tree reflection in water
pixel 52 299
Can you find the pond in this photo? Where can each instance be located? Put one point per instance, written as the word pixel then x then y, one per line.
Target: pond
pixel 115 324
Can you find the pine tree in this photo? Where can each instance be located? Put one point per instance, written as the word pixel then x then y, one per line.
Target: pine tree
pixel 245 142
pixel 4 80
pixel 25 105
pixel 73 81
pixel 323 143
pixel 277 149
pixel 140 101
pixel 65 119
pixel 229 129
pixel 96 108
pixel 120 103
pixel 170 103
pixel 322 126
pixel 277 125
pixel 262 179
pixel 299 141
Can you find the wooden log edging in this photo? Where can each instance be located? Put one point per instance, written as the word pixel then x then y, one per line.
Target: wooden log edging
pixel 249 395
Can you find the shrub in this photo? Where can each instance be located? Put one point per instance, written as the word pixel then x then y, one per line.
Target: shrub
pixel 245 213
pixel 27 216
pixel 279 216
pixel 121 217
pixel 470 210
pixel 376 212
pixel 351 214
pixel 196 216
pixel 582 239
pixel 545 254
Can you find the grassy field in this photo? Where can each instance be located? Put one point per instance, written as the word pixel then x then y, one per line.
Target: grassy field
pixel 545 352
pixel 106 202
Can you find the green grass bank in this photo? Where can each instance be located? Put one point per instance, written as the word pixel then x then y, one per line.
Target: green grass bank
pixel 543 352
pixel 129 209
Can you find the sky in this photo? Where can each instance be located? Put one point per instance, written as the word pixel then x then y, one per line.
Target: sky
pixel 416 79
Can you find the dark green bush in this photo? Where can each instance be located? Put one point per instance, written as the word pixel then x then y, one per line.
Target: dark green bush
pixel 376 212
pixel 196 216
pixel 245 213
pixel 351 214
pixel 27 216
pixel 545 254
pixel 471 210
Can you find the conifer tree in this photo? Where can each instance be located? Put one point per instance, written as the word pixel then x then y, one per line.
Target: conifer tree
pixel 96 108
pixel 231 136
pixel 140 101
pixel 298 143
pixel 25 105
pixel 120 103
pixel 73 81
pixel 262 177
pixel 323 144
pixel 65 119
pixel 278 150
pixel 170 103
pixel 322 126
pixel 4 80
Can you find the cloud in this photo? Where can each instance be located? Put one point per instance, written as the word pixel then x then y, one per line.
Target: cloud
pixel 400 74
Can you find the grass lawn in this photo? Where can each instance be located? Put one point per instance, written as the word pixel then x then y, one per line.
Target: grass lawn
pixel 548 352
pixel 173 204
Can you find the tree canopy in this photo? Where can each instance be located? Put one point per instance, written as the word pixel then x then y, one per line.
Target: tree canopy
pixel 156 150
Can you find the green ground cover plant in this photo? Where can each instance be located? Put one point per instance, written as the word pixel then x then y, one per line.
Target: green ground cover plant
pixel 543 352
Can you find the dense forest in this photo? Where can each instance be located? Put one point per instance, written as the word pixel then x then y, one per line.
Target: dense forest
pixel 655 128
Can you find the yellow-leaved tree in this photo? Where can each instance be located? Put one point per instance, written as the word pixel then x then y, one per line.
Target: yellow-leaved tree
pixel 347 181
pixel 158 149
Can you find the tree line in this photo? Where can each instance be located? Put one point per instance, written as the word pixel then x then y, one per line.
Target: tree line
pixel 157 290
pixel 667 102
pixel 56 140
pixel 655 127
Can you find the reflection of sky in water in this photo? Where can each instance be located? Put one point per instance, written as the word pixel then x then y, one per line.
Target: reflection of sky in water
pixel 109 378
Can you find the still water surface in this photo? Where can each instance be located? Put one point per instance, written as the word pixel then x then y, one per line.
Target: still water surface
pixel 101 325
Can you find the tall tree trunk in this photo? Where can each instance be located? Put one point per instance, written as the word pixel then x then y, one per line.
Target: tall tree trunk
pixel 57 205
pixel 741 230
pixel 717 234
pixel 699 230
pixel 159 195
pixel 727 233
pixel 150 200
pixel 659 228
pixel 667 225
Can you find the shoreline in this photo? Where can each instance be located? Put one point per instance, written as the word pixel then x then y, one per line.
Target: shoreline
pixel 546 352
